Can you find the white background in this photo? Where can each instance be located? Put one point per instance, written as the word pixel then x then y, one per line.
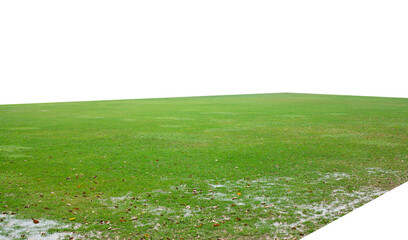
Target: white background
pixel 78 50
pixel 91 50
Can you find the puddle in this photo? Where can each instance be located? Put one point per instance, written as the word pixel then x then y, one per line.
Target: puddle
pixel 377 170
pixel 323 210
pixel 12 228
pixel 187 212
pixel 121 198
pixel 335 176
pixel 260 195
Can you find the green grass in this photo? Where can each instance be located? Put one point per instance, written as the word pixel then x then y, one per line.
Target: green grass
pixel 233 167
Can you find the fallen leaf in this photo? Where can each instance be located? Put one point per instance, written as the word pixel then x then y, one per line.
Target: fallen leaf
pixel 71 219
pixel 35 221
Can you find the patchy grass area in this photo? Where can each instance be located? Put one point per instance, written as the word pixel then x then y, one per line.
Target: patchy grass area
pixel 231 167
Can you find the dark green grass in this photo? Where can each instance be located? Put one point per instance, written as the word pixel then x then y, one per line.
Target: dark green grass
pixel 239 167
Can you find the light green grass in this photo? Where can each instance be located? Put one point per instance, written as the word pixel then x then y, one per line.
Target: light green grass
pixel 233 167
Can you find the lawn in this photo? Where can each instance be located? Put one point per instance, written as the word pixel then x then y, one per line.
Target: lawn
pixel 230 167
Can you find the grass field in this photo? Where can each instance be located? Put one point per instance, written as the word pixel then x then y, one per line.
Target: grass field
pixel 229 167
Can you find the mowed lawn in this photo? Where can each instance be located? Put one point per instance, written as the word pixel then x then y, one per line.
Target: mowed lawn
pixel 231 167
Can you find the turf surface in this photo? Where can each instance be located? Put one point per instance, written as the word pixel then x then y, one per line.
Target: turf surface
pixel 230 167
